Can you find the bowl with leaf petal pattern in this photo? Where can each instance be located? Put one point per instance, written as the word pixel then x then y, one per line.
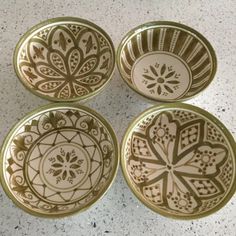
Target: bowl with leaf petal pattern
pixel 166 61
pixel 65 59
pixel 180 161
pixel 59 160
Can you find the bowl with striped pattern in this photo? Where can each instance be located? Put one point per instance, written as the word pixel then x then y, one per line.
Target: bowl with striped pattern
pixel 166 61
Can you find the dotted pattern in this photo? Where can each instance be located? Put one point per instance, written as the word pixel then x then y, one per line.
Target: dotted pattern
pixel 226 176
pixel 184 116
pixel 50 85
pixel 44 33
pixel 140 147
pixel 204 187
pixel 48 72
pixel 58 62
pixel 213 134
pixel 87 66
pixel 74 29
pixel 153 193
pixel 189 136
pixel 74 59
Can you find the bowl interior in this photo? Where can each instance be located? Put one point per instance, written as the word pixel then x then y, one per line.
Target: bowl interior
pixel 65 59
pixel 166 61
pixel 59 161
pixel 179 162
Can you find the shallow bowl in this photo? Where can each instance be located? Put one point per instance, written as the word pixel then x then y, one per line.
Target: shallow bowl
pixel 59 160
pixel 180 161
pixel 166 61
pixel 65 59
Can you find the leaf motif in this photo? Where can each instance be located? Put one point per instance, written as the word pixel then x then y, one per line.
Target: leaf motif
pixel 38 52
pixel 53 119
pixel 80 162
pixel 173 82
pixel 64 175
pixel 105 64
pixel 57 165
pixel 153 71
pixel 20 189
pixel 62 41
pixel 57 172
pixel 30 74
pixel 148 77
pixel 159 89
pixel 79 172
pixel 74 166
pixel 170 74
pixel 163 69
pixel 72 174
pixel 89 44
pixel 67 156
pixel 88 66
pixel 151 85
pixel 20 143
pixel 168 89
pixel 59 158
pixel 73 159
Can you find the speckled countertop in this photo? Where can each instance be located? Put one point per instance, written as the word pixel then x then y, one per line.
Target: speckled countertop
pixel 119 212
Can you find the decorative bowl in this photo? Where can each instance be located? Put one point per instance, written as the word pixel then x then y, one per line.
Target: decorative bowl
pixel 59 160
pixel 180 161
pixel 166 61
pixel 65 59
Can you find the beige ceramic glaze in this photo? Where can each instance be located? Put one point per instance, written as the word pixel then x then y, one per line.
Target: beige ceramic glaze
pixel 180 161
pixel 65 59
pixel 166 61
pixel 59 160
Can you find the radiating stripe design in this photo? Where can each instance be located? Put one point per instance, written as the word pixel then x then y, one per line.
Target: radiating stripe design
pixel 162 39
pixel 200 61
pixel 174 40
pixel 180 42
pixel 185 45
pixel 150 39
pixel 139 41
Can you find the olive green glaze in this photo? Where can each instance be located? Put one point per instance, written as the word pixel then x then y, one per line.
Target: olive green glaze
pixel 180 161
pixel 59 160
pixel 65 59
pixel 166 61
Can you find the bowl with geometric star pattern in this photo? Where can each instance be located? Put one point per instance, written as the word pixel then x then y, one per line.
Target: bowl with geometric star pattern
pixel 180 161
pixel 166 61
pixel 59 160
pixel 65 59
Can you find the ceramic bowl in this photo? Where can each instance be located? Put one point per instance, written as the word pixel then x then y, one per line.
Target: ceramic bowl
pixel 166 61
pixel 180 161
pixel 59 160
pixel 65 59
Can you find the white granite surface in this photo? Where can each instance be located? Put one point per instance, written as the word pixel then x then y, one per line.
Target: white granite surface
pixel 119 212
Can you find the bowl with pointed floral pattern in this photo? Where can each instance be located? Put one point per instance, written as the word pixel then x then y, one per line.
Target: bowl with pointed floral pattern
pixel 166 61
pixel 65 59
pixel 59 160
pixel 180 161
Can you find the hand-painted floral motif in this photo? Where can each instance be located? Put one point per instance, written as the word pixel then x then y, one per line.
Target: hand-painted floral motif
pixel 176 165
pixel 66 61
pixel 66 166
pixel 60 161
pixel 161 78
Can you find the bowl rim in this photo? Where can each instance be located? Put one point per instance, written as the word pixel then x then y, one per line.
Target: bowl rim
pixel 190 30
pixel 46 108
pixel 57 20
pixel 197 110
